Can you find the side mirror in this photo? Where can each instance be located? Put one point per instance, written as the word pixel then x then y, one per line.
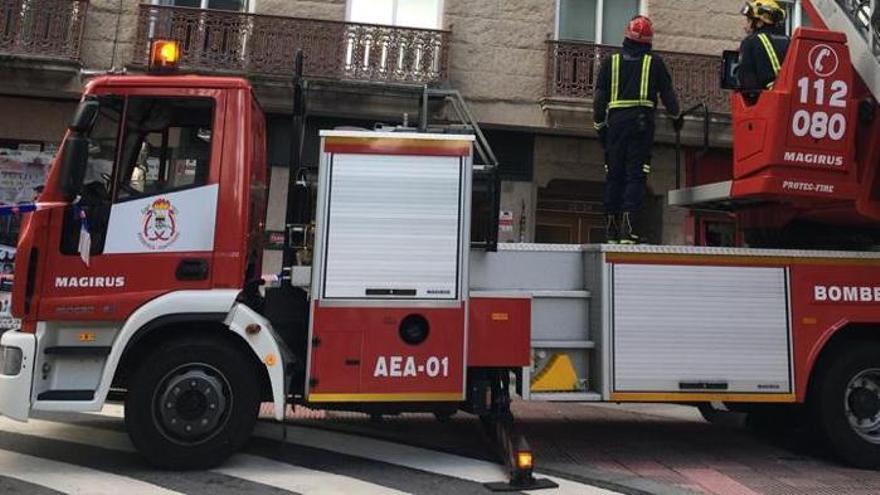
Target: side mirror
pixel 85 116
pixel 729 70
pixel 73 165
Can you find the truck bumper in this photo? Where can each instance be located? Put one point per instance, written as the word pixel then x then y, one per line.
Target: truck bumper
pixel 16 373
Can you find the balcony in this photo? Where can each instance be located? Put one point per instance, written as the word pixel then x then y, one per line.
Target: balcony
pixel 573 67
pixel 216 41
pixel 49 30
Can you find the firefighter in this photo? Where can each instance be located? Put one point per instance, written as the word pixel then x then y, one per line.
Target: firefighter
pixel 623 111
pixel 762 52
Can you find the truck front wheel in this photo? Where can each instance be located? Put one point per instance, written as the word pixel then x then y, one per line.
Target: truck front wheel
pixel 845 405
pixel 192 403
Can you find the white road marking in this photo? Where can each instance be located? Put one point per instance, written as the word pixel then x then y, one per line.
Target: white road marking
pixel 67 432
pixel 69 478
pixel 298 479
pixel 412 457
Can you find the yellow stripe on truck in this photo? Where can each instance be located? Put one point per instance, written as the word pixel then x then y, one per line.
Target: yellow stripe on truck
pixel 699 397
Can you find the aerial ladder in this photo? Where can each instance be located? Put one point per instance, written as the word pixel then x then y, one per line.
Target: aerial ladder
pixel 804 171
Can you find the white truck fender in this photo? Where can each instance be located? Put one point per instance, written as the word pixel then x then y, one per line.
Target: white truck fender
pixel 263 340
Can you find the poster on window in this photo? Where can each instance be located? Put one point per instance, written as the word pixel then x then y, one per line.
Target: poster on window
pixel 21 173
pixel 7 266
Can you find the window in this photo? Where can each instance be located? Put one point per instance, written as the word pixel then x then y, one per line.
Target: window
pixel 103 139
pixel 96 192
pixel 595 21
pixel 166 147
pixel 234 5
pixel 795 16
pixel 409 13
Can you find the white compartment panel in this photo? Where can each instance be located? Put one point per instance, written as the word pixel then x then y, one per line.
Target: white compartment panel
pixel 700 324
pixel 393 223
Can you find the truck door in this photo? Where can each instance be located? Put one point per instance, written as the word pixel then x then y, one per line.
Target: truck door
pixel 147 211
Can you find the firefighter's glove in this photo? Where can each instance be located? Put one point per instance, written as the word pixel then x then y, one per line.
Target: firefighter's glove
pixel 602 130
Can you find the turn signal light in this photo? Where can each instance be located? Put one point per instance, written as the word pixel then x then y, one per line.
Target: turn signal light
pixel 164 55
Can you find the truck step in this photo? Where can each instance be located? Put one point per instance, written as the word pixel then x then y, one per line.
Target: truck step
pixel 561 294
pixel 71 395
pixel 566 396
pixel 78 350
pixel 563 344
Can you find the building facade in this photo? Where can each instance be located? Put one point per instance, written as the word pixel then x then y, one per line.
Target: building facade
pixel 525 67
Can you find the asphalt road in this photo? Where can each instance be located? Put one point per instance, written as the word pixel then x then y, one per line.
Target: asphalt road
pixel 91 454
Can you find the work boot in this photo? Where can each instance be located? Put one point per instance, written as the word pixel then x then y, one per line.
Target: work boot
pixel 627 235
pixel 612 229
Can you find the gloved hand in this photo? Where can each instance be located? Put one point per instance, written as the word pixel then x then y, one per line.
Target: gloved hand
pixel 677 122
pixel 603 137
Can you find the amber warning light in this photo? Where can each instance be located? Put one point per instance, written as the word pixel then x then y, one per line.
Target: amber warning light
pixel 164 55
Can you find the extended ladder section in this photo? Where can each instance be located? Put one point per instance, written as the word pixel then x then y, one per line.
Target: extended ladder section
pixel 796 144
pixel 857 20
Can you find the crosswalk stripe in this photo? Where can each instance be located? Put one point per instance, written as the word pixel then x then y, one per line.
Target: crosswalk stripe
pixel 391 453
pixel 408 456
pixel 69 478
pixel 86 435
pixel 12 485
pixel 299 479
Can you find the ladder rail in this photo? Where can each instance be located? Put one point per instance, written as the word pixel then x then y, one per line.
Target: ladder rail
pixel 464 115
pixel 490 167
pixel 858 20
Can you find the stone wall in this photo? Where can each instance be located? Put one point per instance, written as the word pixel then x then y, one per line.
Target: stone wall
pixel 35 119
pixel 107 21
pixel 498 56
pixel 696 26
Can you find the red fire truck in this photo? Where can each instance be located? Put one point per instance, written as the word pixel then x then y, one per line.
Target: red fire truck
pixel 141 274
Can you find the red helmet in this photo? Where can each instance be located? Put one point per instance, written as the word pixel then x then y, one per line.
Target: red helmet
pixel 640 29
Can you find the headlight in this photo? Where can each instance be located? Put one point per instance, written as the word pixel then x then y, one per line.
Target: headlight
pixel 10 360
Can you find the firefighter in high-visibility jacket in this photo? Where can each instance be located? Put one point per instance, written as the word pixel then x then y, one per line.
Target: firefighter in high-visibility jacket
pixel 762 52
pixel 624 111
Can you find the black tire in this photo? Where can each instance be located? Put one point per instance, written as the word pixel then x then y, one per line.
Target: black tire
pixel 213 432
pixel 830 401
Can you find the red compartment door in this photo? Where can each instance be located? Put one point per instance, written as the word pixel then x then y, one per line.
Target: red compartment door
pixel 389 369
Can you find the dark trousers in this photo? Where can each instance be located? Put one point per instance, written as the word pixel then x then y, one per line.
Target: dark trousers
pixel 628 158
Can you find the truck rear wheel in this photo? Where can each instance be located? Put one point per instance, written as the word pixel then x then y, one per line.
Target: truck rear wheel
pixel 192 403
pixel 845 405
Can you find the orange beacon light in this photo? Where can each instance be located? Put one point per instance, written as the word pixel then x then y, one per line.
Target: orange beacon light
pixel 164 55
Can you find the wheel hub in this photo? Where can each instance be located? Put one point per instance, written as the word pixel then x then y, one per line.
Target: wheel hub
pixel 862 404
pixel 192 404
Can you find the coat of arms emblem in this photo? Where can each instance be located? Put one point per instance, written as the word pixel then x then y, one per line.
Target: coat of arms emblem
pixel 159 228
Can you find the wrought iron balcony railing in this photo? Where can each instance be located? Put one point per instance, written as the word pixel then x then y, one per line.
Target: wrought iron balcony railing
pixel 233 42
pixel 573 66
pixel 45 29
